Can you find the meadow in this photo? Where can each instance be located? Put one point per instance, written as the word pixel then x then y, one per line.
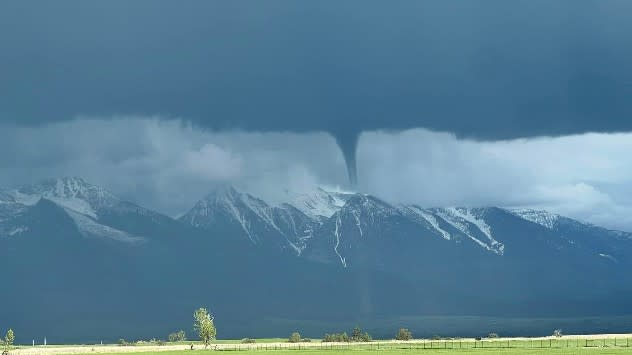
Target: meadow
pixel 400 351
pixel 548 345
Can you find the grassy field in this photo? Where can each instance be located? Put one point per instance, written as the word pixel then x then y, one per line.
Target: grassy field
pixel 477 351
pixel 258 341
pixel 570 344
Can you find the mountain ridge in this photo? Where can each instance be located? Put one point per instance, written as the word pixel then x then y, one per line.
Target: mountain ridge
pixel 295 221
pixel 348 256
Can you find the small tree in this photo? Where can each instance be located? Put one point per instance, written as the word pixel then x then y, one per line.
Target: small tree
pixel 180 335
pixel 365 337
pixel 557 333
pixel 356 334
pixel 8 341
pixel 204 325
pixel 295 338
pixel 336 337
pixel 343 338
pixel 404 334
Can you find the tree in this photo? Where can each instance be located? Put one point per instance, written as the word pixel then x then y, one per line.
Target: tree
pixel 204 325
pixel 8 341
pixel 336 337
pixel 366 337
pixel 344 338
pixel 180 335
pixel 404 334
pixel 356 334
pixel 295 338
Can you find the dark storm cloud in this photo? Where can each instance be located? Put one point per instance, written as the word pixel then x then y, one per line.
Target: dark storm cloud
pixel 488 70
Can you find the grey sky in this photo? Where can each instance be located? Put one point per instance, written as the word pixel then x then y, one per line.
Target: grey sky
pixel 487 69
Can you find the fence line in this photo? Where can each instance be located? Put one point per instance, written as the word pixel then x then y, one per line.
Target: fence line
pixel 421 344
pixel 441 344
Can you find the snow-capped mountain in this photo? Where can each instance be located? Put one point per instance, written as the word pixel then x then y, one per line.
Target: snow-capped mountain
pixel 320 203
pixel 543 218
pixel 334 227
pixel 324 248
pixel 557 222
pixel 95 211
pixel 322 225
pixel 226 208
pixel 72 193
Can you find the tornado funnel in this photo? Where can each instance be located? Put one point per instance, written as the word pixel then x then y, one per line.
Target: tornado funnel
pixel 348 143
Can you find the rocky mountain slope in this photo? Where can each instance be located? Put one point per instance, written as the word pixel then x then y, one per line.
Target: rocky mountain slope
pixel 69 248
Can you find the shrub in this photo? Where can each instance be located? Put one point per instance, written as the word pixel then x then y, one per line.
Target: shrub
pixel 358 337
pixel 344 338
pixel 180 335
pixel 306 340
pixel 492 335
pixel 356 334
pixel 123 342
pixel 365 337
pixel 295 338
pixel 404 334
pixel 557 333
pixel 248 341
pixel 336 338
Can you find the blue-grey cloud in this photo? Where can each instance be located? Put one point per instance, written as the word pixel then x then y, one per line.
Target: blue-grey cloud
pixel 488 70
pixel 169 165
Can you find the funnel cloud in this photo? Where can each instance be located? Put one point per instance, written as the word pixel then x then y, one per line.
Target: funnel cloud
pixel 348 144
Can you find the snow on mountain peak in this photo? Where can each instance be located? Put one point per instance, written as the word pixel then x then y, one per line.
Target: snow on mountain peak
pixel 72 193
pixel 236 204
pixel 427 217
pixel 204 210
pixel 471 222
pixel 320 202
pixel 82 202
pixel 543 218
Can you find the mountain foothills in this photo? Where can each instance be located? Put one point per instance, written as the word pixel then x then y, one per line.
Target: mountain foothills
pixel 85 265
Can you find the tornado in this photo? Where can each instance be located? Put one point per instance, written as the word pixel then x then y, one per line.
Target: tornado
pixel 348 143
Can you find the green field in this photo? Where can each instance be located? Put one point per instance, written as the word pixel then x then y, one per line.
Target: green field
pixel 258 341
pixel 523 351
pixel 568 345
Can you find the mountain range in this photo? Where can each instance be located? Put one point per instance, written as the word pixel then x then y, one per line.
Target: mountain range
pixel 81 264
